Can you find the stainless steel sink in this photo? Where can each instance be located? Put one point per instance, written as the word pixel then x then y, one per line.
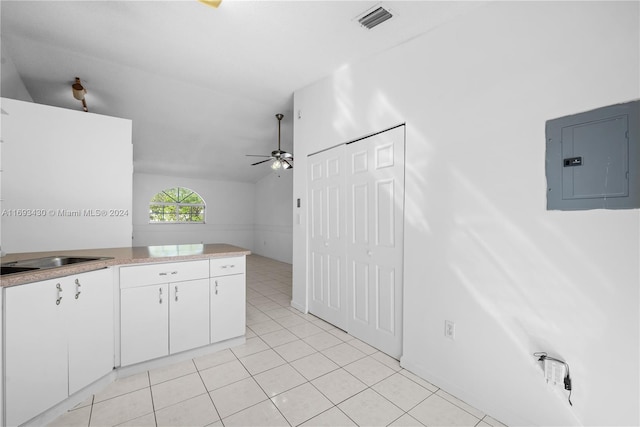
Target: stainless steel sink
pixel 4 270
pixel 45 263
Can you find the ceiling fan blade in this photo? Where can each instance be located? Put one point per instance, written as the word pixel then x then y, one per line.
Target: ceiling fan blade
pixel 289 165
pixel 257 163
pixel 256 155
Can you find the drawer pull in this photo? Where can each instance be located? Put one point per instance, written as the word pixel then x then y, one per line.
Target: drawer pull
pixel 228 266
pixel 166 273
pixel 59 288
pixel 77 288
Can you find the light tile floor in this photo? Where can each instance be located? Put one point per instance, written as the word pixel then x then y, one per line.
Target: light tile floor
pixel 294 369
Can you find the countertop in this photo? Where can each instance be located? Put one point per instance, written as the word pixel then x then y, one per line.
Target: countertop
pixel 118 256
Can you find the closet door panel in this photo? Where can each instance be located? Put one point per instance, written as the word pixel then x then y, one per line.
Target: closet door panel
pixel 375 198
pixel 327 273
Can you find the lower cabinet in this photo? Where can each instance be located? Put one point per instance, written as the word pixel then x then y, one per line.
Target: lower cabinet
pixel 188 315
pixel 58 339
pixel 144 320
pixel 228 304
pixel 158 320
pixel 59 333
pixel 161 315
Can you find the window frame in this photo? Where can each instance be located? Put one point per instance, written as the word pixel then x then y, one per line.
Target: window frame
pixel 177 204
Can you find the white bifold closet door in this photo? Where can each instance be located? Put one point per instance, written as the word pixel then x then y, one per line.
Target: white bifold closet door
pixel 327 234
pixel 356 238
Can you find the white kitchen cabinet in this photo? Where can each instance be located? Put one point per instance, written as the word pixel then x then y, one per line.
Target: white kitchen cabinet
pixel 228 297
pixel 188 315
pixel 228 304
pixel 144 321
pixel 164 309
pixel 55 343
pixel 91 329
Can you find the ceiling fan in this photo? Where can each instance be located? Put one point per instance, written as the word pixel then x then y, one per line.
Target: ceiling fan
pixel 281 159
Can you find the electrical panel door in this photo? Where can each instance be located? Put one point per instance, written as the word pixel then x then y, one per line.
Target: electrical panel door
pixel 592 159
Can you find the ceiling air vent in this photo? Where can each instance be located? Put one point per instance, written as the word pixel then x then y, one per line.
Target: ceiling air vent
pixel 374 18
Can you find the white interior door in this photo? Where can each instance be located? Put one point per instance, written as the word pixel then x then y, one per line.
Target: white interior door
pixel 327 267
pixel 374 219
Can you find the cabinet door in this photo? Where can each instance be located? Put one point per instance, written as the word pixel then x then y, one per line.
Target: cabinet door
pixel 227 307
pixel 35 348
pixel 144 323
pixel 188 315
pixel 90 326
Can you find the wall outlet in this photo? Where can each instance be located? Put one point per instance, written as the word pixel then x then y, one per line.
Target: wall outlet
pixel 450 329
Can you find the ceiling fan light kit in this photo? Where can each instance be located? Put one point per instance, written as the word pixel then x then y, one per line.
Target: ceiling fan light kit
pixel 281 159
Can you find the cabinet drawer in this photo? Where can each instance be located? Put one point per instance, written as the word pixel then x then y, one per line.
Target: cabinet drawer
pixel 227 266
pixel 150 274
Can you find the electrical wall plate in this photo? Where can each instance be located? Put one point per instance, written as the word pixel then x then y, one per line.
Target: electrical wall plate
pixel 554 372
pixel 450 329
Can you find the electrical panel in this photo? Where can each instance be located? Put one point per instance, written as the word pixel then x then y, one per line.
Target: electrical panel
pixel 593 159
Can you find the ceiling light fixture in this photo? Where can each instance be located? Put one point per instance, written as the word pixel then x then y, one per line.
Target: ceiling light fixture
pixel 78 93
pixel 281 159
pixel 374 18
pixel 212 3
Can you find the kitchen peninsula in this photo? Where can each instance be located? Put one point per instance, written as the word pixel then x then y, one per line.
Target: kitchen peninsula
pixel 71 329
pixel 117 256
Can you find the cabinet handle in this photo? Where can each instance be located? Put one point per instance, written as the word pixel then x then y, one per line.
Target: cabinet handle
pixel 59 288
pixel 160 295
pixel 228 266
pixel 176 293
pixel 216 288
pixel 77 288
pixel 166 273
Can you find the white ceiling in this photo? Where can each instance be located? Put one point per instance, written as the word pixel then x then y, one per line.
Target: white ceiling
pixel 202 85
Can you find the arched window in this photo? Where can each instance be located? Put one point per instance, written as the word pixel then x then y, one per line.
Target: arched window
pixel 177 205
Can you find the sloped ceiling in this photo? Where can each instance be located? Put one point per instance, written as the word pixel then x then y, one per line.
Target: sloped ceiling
pixel 202 85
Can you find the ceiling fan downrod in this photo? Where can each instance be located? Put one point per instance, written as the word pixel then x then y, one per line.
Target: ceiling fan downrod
pixel 279 117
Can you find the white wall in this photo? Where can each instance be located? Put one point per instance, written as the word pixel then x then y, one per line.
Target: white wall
pixel 55 160
pixel 480 247
pixel 229 212
pixel 273 217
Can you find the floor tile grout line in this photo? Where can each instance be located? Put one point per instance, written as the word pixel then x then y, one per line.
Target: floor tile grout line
pixel 458 406
pixel 153 405
pixel 269 398
pixel 93 397
pixel 208 392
